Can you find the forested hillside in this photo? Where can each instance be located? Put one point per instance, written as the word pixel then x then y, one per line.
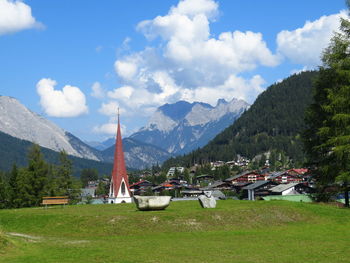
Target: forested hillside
pixel 272 124
pixel 13 150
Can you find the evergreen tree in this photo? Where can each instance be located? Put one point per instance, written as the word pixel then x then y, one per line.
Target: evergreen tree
pixel 225 172
pixel 37 172
pixel 66 184
pixel 327 139
pixel 13 189
pixel 3 191
pixel 88 174
pixel 101 189
pixel 25 191
pixel 63 174
pixel 187 177
pixel 51 187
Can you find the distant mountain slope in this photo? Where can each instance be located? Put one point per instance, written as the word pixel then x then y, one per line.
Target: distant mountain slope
pixel 101 146
pixel 18 121
pixel 181 127
pixel 14 150
pixel 273 122
pixel 138 155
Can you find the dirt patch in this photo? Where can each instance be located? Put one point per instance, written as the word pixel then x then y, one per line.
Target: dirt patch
pixel 29 238
pixel 76 242
pixel 217 217
pixel 116 219
pixel 190 223
pixel 154 219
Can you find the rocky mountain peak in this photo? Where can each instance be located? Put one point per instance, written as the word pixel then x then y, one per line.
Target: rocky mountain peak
pixel 18 121
pixel 183 126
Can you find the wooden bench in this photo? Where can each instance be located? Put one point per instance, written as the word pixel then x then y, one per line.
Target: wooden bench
pixel 55 200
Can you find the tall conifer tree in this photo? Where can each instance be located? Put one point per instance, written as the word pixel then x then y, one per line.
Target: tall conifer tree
pixel 327 139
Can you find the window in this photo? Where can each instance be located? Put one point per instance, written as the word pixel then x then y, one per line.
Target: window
pixel 123 188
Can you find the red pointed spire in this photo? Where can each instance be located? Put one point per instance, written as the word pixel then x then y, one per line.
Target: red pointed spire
pixel 119 173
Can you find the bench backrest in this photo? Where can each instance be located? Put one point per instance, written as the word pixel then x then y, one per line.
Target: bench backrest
pixel 55 200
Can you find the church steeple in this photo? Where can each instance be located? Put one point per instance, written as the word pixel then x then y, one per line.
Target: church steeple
pixel 119 190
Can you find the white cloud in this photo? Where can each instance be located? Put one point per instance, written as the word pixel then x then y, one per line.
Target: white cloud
pixel 109 128
pixel 68 102
pixel 97 91
pixel 16 16
pixel 240 88
pixel 111 109
pixel 125 69
pixel 192 8
pixel 189 62
pixel 305 45
pixel 124 92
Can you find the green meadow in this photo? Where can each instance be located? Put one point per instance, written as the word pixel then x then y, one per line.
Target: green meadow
pixel 236 231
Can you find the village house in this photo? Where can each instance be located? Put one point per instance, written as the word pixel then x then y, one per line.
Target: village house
pixel 284 177
pixel 172 170
pixel 218 185
pixel 290 189
pixel 88 192
pixel 247 176
pixel 205 179
pixel 300 171
pixel 165 186
pixel 216 164
pixel 258 189
pixel 140 187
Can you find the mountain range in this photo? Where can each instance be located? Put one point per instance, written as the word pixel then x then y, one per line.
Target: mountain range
pixel 182 127
pixel 273 125
pixel 173 129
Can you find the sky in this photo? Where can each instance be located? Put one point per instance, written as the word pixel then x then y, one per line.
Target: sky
pixel 76 62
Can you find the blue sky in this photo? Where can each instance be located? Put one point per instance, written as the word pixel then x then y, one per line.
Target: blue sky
pixel 75 62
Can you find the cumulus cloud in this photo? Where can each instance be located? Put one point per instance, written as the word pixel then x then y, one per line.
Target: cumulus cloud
pixel 16 16
pixel 68 102
pixel 124 92
pixel 111 109
pixel 189 63
pixel 125 69
pixel 97 91
pixel 237 87
pixel 109 128
pixel 305 45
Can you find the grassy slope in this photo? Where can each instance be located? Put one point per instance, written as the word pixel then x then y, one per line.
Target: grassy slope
pixel 236 231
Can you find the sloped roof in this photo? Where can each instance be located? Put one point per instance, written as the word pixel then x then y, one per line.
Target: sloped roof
pixel 276 174
pixel 215 184
pixel 255 185
pixel 282 187
pixel 299 170
pixel 238 175
pixel 204 176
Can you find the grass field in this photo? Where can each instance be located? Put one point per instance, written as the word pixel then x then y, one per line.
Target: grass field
pixel 236 231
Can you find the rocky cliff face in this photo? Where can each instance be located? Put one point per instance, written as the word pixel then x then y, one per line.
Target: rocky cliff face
pixel 182 127
pixel 18 121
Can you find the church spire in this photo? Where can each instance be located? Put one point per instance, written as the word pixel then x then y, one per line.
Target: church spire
pixel 119 190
